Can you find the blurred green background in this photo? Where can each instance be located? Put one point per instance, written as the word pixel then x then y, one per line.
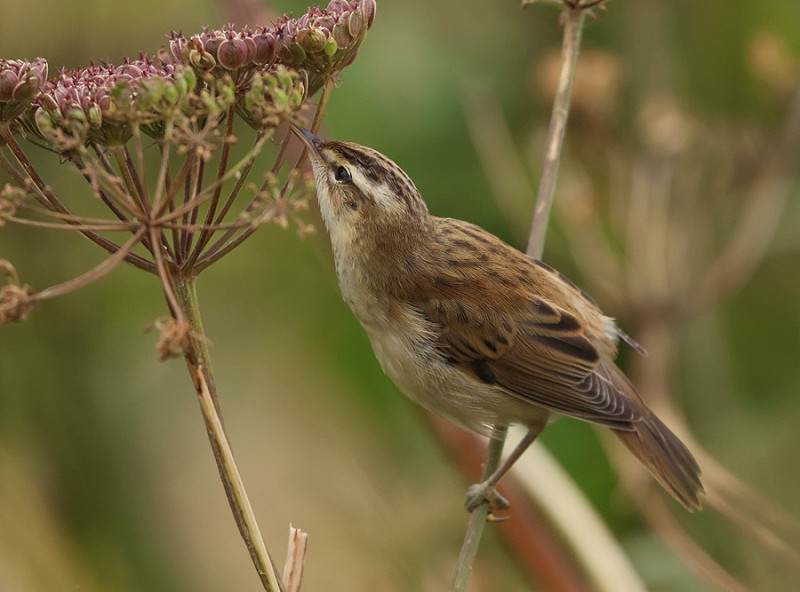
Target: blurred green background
pixel 106 477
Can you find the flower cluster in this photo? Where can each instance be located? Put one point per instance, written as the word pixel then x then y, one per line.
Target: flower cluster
pixel 265 74
pixel 158 142
pixel 99 103
pixel 226 48
pixel 20 80
pixel 271 96
pixel 326 40
pixel 319 43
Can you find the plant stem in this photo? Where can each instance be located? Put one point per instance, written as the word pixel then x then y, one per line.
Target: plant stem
pixel 478 516
pixel 48 199
pixel 225 244
pixel 199 364
pixel 98 272
pixel 570 49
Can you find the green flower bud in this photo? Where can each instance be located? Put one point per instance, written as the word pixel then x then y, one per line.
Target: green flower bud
pixel 95 115
pixel 202 60
pixel 331 47
pixel 171 94
pixel 43 121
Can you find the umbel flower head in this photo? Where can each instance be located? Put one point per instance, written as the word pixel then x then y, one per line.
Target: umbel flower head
pixel 99 103
pixel 157 141
pixel 318 44
pixel 20 81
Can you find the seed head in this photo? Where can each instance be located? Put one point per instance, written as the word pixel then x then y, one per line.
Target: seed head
pixel 20 80
pixel 99 103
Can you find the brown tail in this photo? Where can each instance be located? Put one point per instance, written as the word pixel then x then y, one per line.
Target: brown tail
pixel 665 456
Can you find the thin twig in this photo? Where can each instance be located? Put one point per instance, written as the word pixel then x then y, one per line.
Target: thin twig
pixel 478 516
pixel 97 227
pixel 106 173
pixel 139 170
pixel 570 49
pixel 241 169
pixel 162 186
pixel 225 244
pixel 205 235
pixel 122 158
pixel 94 274
pixel 48 199
pixel 167 279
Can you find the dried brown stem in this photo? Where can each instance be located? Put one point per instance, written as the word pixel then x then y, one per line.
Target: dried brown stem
pixel 94 274
pixel 167 278
pixel 198 363
pixel 115 191
pixel 570 49
pixel 227 242
pixel 478 516
pixel 49 200
pixel 205 235
pixel 96 227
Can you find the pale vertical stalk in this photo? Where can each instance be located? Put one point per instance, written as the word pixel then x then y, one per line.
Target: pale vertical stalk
pixel 478 516
pixel 198 362
pixel 570 48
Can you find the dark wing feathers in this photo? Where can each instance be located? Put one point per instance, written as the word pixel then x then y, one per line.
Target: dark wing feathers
pixel 541 355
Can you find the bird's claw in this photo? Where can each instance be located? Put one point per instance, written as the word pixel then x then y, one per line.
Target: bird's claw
pixel 483 492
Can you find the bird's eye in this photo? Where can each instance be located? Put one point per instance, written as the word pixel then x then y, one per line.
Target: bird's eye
pixel 342 175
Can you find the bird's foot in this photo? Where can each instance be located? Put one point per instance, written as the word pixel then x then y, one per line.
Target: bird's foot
pixel 485 492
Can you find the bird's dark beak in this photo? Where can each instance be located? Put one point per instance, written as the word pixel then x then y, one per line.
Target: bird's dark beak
pixel 310 140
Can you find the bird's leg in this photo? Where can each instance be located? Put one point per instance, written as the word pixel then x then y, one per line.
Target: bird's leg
pixel 485 490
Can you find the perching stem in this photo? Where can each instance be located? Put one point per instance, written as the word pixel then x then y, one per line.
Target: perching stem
pixel 478 516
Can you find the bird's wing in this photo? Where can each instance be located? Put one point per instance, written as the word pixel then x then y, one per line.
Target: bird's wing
pixel 541 354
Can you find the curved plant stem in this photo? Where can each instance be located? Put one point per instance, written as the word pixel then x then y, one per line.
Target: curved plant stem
pixel 98 272
pixel 574 20
pixel 45 196
pixel 227 242
pixel 199 364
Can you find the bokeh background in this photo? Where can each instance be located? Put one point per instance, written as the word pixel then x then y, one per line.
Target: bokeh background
pixel 106 477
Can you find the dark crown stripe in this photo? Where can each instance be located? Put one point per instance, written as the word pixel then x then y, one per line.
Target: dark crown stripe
pixel 380 170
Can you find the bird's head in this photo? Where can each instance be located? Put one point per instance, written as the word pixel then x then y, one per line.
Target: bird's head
pixel 362 193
